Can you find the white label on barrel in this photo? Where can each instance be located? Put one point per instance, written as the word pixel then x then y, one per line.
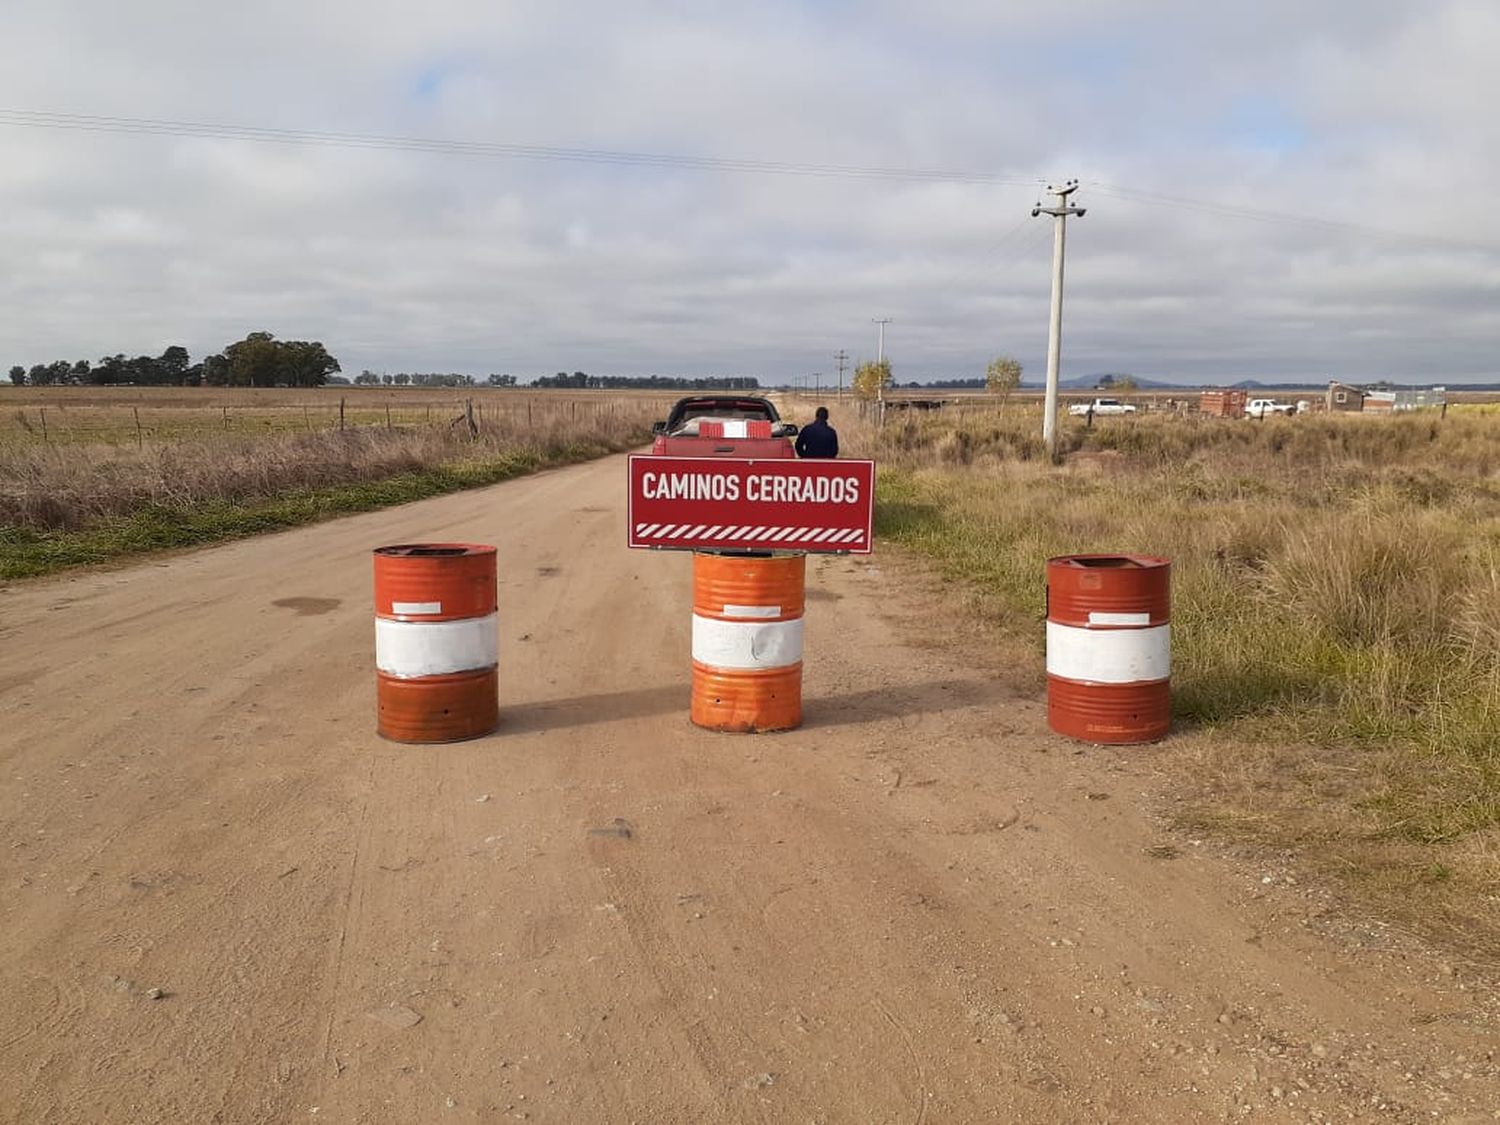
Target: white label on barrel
pixel 410 649
pixel 752 611
pixel 746 645
pixel 1096 618
pixel 1109 656
pixel 416 607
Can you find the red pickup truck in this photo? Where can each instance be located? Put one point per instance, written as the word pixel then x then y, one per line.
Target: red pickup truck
pixel 724 426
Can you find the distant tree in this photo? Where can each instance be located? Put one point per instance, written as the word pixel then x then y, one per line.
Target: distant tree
pixel 402 379
pixel 1002 376
pixel 83 372
pixel 173 364
pixel 386 378
pixel 110 371
pixel 260 360
pixel 40 375
pixel 366 378
pixel 215 370
pixel 145 371
pixel 1105 383
pixel 305 364
pixel 871 378
pixel 18 375
pixel 1126 384
pixel 254 361
pixel 495 380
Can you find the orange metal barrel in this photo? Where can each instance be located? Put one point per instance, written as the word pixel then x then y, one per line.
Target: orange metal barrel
pixel 436 642
pixel 747 641
pixel 1109 668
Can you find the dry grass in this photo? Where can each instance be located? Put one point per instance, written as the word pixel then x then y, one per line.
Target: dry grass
pixel 73 484
pixel 122 490
pixel 1336 636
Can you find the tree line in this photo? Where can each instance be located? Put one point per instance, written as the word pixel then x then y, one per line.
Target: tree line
pixel 259 360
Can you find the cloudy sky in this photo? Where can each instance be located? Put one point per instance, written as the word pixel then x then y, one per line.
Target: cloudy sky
pixel 1274 188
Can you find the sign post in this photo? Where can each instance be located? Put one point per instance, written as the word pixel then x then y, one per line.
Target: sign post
pixel 722 504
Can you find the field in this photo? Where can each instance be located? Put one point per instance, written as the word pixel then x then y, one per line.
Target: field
pixel 1336 615
pixel 89 474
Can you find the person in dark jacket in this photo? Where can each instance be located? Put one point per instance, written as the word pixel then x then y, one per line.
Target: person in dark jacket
pixel 818 438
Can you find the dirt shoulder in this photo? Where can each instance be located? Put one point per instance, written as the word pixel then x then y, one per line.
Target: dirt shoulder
pixel 227 899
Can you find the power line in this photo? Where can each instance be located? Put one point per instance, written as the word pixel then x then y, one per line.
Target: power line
pixel 144 126
pixel 1262 215
pixel 40 119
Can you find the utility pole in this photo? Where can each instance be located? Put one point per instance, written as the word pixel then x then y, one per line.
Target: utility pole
pixel 882 321
pixel 817 383
pixel 1059 212
pixel 843 357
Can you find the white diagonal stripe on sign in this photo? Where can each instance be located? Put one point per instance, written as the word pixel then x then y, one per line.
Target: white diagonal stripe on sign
pixel 826 534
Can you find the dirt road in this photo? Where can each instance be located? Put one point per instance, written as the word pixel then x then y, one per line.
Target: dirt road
pixel 225 899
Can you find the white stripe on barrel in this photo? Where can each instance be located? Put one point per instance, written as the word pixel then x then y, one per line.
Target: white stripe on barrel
pixel 410 649
pixel 1109 656
pixel 746 646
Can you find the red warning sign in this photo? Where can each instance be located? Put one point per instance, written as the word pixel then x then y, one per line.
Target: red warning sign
pixel 715 503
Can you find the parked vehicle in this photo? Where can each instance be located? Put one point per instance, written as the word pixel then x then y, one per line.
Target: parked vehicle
pixel 723 426
pixel 1260 407
pixel 1101 406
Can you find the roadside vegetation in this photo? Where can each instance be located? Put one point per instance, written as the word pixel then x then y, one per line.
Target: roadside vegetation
pixel 106 477
pixel 1336 614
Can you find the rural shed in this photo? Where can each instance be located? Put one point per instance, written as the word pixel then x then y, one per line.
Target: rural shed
pixel 1341 396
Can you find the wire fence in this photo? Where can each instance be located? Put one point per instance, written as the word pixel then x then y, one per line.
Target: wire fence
pixel 82 423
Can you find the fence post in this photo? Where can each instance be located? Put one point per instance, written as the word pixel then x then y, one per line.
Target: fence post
pixel 48 440
pixel 226 418
pixel 341 413
pixel 140 439
pixel 307 417
pixel 469 417
pixel 387 415
pixel 528 413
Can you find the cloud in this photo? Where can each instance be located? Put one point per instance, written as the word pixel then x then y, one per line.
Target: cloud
pixel 1374 115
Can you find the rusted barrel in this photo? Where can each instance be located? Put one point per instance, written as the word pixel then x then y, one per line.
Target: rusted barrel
pixel 747 641
pixel 436 642
pixel 1109 660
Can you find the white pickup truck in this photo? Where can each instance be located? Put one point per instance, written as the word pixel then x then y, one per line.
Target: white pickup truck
pixel 1101 406
pixel 1260 407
